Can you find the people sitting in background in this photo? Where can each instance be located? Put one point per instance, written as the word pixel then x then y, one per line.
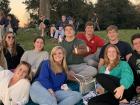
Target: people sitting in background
pixel 3 63
pixel 134 62
pixel 95 20
pixel 37 55
pixel 113 37
pixel 12 51
pixel 59 34
pixel 14 87
pixel 3 24
pixel 12 23
pixel 43 24
pixel 52 30
pixel 75 59
pixel 93 42
pixel 50 87
pixel 115 78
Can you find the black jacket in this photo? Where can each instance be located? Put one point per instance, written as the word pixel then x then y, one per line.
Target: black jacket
pixel 13 61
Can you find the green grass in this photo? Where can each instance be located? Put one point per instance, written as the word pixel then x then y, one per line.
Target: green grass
pixel 26 36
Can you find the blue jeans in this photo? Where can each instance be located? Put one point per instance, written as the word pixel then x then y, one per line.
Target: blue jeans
pixel 41 96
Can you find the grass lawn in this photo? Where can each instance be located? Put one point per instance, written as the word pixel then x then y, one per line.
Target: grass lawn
pixel 26 36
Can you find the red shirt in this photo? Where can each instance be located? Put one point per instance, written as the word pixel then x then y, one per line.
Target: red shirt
pixel 94 43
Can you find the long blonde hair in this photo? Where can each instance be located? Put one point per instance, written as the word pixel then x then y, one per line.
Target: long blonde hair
pixel 55 66
pixel 106 59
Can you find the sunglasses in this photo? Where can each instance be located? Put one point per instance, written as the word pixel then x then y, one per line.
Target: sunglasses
pixel 10 37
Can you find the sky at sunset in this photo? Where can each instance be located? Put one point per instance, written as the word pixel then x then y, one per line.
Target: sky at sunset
pixel 18 8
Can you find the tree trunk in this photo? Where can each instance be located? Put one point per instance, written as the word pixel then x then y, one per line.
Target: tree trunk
pixel 44 8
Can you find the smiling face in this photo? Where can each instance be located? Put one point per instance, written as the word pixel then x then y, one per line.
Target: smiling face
pixel 89 30
pixel 136 44
pixel 69 32
pixel 58 56
pixel 111 53
pixel 21 71
pixel 112 35
pixel 39 44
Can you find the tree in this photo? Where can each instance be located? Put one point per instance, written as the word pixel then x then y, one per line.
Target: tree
pixel 118 12
pixel 44 8
pixel 32 7
pixel 4 6
pixel 81 9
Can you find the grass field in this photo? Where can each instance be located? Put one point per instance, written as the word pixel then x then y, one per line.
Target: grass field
pixel 25 37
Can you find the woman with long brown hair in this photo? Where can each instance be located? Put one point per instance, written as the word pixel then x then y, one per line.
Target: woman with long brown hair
pixel 116 78
pixel 12 51
pixel 50 86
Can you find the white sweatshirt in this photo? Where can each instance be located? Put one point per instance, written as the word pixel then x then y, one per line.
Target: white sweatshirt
pixel 17 94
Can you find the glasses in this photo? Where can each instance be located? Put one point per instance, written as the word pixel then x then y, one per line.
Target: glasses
pixel 10 37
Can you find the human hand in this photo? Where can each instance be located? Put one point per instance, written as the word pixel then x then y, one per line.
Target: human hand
pixel 100 90
pixel 51 92
pixel 138 89
pixel 119 92
pixel 64 87
pixel 71 75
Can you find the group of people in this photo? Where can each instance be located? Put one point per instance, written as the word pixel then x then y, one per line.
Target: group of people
pixel 56 30
pixel 44 76
pixel 8 23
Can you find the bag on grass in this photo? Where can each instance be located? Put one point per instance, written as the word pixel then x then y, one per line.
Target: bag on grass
pixel 85 85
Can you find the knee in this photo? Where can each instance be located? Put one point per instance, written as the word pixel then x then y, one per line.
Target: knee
pixel 93 63
pixel 93 71
pixel 76 96
pixel 99 77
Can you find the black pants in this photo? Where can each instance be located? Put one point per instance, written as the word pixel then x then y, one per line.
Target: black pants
pixel 110 83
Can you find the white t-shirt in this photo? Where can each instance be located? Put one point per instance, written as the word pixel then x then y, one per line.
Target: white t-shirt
pixel 107 71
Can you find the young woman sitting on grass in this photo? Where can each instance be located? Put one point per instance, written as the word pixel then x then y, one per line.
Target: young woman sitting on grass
pixel 14 87
pixel 50 87
pixel 116 79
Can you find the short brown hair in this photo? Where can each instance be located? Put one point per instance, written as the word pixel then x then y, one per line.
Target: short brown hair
pixel 135 36
pixel 112 27
pixel 89 23
pixel 68 25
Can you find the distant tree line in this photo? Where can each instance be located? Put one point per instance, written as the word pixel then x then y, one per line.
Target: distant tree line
pixel 119 12
pixel 4 6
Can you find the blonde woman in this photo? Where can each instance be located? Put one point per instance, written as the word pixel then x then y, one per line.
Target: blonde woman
pixel 50 86
pixel 116 77
pixel 14 87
